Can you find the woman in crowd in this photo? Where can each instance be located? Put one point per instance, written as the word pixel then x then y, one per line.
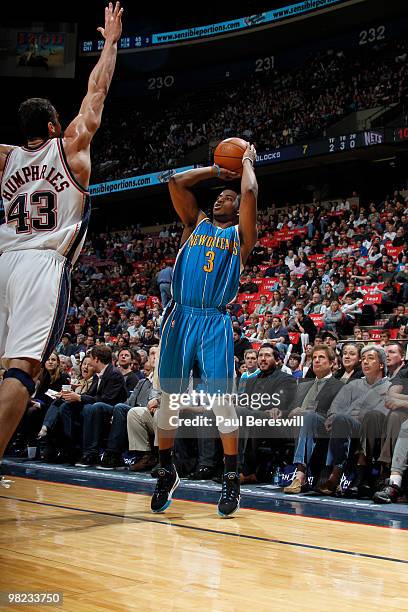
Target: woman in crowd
pixel 277 304
pixel 307 362
pixel 350 368
pixel 48 434
pixel 50 381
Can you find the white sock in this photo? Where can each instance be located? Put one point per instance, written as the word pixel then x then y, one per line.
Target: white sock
pixel 396 479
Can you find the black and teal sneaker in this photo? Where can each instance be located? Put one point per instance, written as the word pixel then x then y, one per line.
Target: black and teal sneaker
pixel 228 504
pixel 167 482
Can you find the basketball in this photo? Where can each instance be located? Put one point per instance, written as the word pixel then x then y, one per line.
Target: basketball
pixel 229 153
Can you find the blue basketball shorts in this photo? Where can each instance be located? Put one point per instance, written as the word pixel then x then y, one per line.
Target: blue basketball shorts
pixel 199 339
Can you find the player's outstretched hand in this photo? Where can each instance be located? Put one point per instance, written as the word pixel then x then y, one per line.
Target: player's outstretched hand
pixel 113 23
pixel 228 175
pixel 250 153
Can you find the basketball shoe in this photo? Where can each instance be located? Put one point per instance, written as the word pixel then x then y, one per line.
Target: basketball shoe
pixel 6 484
pixel 167 482
pixel 228 503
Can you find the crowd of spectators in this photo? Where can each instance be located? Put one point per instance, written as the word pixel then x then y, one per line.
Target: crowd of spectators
pixel 321 301
pixel 278 108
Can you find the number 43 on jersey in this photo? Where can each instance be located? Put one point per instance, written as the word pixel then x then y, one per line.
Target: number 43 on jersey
pixel 39 213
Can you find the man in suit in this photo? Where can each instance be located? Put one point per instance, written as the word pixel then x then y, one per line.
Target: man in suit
pixel 277 391
pixel 95 407
pixel 313 400
pixel 143 402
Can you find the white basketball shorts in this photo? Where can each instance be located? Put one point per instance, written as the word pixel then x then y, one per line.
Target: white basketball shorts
pixel 34 297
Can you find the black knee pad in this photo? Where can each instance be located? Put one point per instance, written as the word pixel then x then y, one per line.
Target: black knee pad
pixel 23 377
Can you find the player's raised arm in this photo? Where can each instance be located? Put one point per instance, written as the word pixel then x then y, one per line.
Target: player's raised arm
pixel 183 198
pixel 79 133
pixel 247 210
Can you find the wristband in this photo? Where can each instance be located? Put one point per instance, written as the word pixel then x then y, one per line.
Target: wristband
pixel 216 166
pixel 250 159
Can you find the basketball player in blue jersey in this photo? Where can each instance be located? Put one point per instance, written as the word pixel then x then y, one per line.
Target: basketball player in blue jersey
pixel 44 189
pixel 196 330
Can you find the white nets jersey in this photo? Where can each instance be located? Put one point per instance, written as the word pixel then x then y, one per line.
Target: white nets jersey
pixel 44 206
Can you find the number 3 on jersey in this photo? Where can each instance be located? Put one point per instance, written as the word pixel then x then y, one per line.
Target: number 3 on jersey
pixel 209 266
pixel 44 221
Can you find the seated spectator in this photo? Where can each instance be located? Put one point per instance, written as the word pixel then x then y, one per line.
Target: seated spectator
pixel 143 402
pixel 136 329
pixel 303 325
pixel 403 333
pixel 149 339
pixel 398 319
pixel 294 365
pixel 358 333
pixel 65 347
pixel 331 339
pixel 80 345
pixel 338 285
pixel 243 314
pixel 333 317
pixel 278 335
pixel 265 328
pixel 157 318
pixel 307 362
pixel 108 388
pixel 251 333
pixel 299 303
pixel 351 309
pixel 298 267
pixel 241 344
pixel 278 304
pixel 314 306
pixel 271 381
pixel 285 318
pixel 325 305
pixel 329 293
pixel 247 285
pixel 350 368
pixel 49 434
pixel 395 358
pixel 394 450
pixel 263 307
pixel 384 337
pixel 313 401
pixel 51 379
pixel 250 369
pixel 356 418
pixel 125 366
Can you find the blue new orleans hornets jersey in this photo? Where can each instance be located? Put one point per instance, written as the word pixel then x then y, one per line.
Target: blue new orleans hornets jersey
pixel 207 269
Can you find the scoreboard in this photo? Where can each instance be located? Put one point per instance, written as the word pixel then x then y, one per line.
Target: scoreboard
pixel 334 144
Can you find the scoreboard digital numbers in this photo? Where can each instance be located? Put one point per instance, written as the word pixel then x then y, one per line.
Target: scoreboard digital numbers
pixel 126 43
pixel 330 145
pixel 342 143
pixel 400 134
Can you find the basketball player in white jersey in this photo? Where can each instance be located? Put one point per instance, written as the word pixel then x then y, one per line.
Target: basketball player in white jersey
pixel 44 189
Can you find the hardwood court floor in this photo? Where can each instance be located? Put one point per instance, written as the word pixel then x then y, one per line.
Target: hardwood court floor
pixel 105 551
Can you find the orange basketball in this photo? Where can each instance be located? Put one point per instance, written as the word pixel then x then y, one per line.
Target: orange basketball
pixel 229 153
